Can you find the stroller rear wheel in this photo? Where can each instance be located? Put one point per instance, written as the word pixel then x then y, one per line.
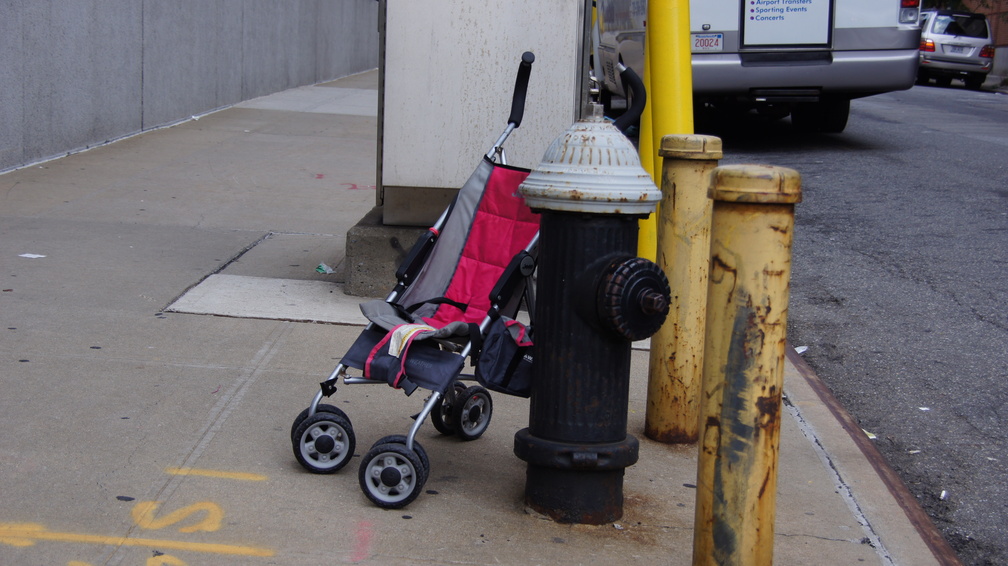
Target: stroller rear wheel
pixel 324 442
pixel 442 416
pixel 391 475
pixel 471 413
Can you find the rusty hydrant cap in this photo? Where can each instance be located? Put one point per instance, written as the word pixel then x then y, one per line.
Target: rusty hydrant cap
pixel 762 184
pixel 593 168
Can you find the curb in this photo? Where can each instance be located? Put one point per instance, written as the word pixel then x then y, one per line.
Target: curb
pixel 927 530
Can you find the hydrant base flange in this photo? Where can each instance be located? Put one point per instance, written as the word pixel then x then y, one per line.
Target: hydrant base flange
pixel 576 455
pixel 575 482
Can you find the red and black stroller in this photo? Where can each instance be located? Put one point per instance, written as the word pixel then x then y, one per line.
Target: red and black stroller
pixel 458 292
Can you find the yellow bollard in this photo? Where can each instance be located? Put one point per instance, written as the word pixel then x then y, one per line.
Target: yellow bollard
pixel 669 79
pixel 684 217
pixel 647 238
pixel 670 68
pixel 751 234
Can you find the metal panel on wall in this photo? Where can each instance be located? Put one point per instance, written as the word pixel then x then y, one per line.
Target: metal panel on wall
pixel 448 73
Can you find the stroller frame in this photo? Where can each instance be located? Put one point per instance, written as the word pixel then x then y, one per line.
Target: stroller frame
pixel 393 472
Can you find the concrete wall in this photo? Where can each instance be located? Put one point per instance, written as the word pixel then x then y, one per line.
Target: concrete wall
pixel 77 73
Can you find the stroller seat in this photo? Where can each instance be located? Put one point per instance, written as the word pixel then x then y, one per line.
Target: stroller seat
pixel 488 224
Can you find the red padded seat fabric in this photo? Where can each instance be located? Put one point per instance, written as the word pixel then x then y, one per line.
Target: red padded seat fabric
pixel 503 226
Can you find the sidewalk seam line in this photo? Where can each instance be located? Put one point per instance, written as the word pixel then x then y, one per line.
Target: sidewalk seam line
pixel 844 489
pixel 220 412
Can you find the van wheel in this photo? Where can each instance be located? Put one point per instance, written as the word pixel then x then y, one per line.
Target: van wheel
pixel 829 116
pixel 834 115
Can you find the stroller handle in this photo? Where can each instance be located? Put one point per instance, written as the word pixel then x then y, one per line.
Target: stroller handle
pixel 521 88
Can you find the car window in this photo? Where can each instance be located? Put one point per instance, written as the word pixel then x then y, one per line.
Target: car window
pixel 974 27
pixel 967 26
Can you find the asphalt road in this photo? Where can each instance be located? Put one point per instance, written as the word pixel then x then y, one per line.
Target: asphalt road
pixel 900 289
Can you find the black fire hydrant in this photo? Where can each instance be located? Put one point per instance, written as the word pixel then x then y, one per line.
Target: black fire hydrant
pixel 594 297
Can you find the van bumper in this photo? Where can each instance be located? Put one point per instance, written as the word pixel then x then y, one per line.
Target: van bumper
pixel 843 73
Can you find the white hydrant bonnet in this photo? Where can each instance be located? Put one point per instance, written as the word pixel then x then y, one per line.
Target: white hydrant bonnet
pixel 593 168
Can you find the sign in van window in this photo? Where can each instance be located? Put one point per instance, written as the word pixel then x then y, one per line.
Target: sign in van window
pixel 786 22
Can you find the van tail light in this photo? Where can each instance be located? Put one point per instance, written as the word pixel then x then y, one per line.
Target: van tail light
pixel 927 46
pixel 987 51
pixel 909 11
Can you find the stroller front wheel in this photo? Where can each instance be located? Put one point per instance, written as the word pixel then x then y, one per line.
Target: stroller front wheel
pixel 421 453
pixel 322 408
pixel 391 475
pixel 324 443
pixel 472 412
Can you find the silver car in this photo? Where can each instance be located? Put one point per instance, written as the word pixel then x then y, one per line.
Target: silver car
pixel 955 45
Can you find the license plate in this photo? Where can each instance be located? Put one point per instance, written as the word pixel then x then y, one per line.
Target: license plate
pixel 956 49
pixel 707 41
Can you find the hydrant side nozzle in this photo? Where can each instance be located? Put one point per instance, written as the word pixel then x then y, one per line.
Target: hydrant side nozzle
pixel 653 302
pixel 633 298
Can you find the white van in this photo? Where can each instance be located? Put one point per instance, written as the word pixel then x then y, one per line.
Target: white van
pixel 806 58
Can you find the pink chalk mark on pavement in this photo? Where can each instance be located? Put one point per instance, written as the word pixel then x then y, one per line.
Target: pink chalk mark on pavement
pixel 364 535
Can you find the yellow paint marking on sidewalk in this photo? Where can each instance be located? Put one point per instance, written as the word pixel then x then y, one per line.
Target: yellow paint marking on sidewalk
pixel 244 476
pixel 26 534
pixel 143 514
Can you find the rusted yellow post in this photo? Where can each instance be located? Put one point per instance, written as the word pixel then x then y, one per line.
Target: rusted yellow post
pixel 684 218
pixel 751 233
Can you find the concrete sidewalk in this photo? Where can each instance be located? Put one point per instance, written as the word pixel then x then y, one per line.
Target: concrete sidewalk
pixel 159 334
